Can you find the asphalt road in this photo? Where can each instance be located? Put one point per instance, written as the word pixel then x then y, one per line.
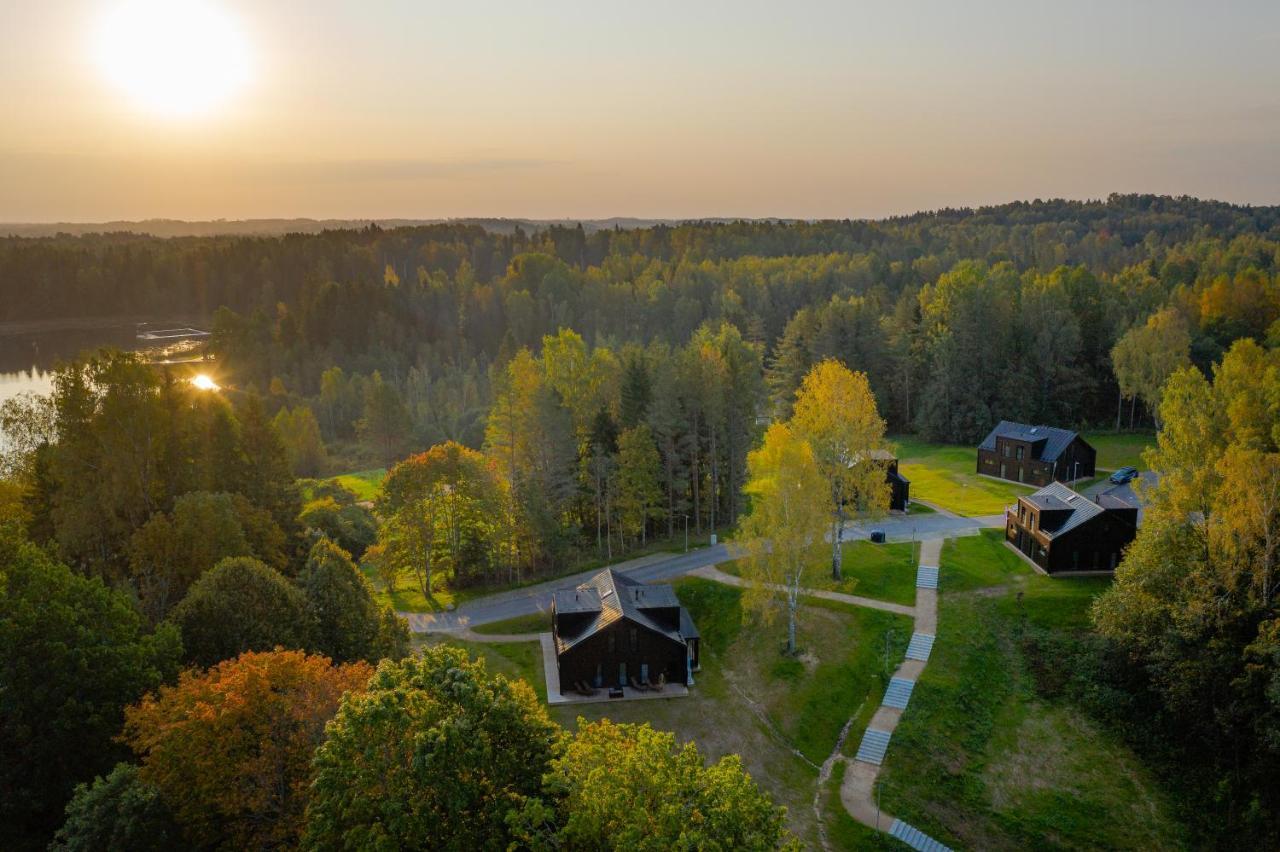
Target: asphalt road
pixel 537 598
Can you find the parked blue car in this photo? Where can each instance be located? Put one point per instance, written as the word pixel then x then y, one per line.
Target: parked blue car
pixel 1123 475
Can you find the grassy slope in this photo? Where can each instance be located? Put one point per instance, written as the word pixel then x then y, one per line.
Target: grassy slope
pixel 979 761
pixel 886 572
pixel 1122 449
pixel 947 476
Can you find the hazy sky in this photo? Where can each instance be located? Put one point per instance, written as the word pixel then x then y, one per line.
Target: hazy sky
pixel 655 109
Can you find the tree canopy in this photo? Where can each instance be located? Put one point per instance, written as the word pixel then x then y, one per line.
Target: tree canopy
pixel 230 749
pixel 73 653
pixel 434 752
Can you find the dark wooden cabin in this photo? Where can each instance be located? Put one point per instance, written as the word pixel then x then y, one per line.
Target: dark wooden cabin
pixel 1060 530
pixel 899 485
pixel 1035 455
pixel 611 630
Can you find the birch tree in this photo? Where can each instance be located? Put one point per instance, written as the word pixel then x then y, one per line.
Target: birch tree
pixel 783 533
pixel 835 412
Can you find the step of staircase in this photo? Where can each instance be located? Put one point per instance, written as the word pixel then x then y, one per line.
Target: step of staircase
pixel 915 838
pixel 898 693
pixel 926 577
pixel 873 746
pixel 920 646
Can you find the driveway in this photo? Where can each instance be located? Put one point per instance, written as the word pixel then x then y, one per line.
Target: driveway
pixel 537 598
pixel 1125 492
pixel 659 567
pixel 917 527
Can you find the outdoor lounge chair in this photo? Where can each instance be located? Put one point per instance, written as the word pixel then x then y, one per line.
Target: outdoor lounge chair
pixel 661 683
pixel 635 682
pixel 583 688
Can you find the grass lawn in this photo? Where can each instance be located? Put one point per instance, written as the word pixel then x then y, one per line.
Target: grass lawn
pixel 538 622
pixel 514 659
pixel 367 484
pixel 886 572
pixel 979 760
pixel 1120 449
pixel 946 476
pixel 408 597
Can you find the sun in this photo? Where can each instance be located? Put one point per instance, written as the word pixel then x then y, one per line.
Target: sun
pixel 173 57
pixel 202 382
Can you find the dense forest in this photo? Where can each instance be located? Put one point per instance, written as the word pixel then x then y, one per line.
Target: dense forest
pixel 546 396
pixel 1008 311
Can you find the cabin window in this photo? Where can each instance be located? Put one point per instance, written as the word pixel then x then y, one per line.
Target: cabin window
pixel 1004 448
pixel 1075 560
pixel 622 674
pixel 1019 454
pixel 612 643
pixel 635 639
pixel 599 676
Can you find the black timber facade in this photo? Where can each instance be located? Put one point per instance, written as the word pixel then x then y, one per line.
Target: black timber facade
pixel 612 631
pixel 1062 531
pixel 1035 455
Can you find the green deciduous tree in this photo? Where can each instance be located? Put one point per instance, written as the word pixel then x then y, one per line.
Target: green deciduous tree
pixel 352 526
pixel 1147 355
pixel 73 653
pixel 1194 603
pixel 171 551
pixel 241 604
pixel 346 624
pixel 631 787
pixel 435 752
pixel 118 811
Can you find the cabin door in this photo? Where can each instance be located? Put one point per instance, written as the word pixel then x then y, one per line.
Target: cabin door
pixel 622 674
pixel 644 672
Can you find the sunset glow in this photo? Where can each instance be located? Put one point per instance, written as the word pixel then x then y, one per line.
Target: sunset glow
pixel 172 57
pixel 202 382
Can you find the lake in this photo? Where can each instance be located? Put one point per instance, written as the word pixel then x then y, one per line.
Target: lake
pixel 27 358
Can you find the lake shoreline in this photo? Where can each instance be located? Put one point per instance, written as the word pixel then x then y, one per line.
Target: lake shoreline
pixel 18 328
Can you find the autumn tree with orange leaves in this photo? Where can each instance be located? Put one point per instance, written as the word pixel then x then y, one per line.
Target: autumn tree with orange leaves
pixel 230 749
